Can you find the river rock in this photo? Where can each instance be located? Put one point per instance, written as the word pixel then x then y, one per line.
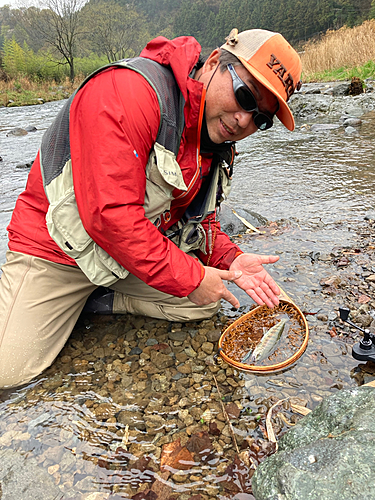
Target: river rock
pixel 132 419
pixel 17 132
pixel 178 336
pixel 313 91
pixel 28 164
pixel 22 477
pixel 328 455
pixel 341 89
pixel 161 360
pixel 352 122
pixel 351 131
pixel 322 127
pixel 232 225
pixel 309 106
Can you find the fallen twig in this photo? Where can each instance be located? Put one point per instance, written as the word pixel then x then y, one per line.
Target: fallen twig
pixel 270 433
pixel 247 223
pixel 300 409
pixel 227 417
pixel 125 438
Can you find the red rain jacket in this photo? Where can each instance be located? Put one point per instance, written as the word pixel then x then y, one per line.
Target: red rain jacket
pixel 114 122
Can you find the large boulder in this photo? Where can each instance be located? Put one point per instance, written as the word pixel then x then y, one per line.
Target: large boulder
pixel 328 455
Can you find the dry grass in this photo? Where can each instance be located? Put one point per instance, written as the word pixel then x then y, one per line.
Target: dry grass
pixel 22 91
pixel 344 48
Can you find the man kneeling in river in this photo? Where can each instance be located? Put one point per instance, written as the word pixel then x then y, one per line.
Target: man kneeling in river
pixel 125 190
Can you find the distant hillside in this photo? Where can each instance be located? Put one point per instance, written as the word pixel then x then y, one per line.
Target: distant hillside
pixel 211 20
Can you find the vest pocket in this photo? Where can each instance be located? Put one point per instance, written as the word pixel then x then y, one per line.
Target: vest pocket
pixel 67 222
pixel 188 237
pixel 193 237
pixel 163 175
pixel 116 269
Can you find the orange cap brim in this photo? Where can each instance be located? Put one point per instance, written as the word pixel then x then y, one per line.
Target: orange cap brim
pixel 284 114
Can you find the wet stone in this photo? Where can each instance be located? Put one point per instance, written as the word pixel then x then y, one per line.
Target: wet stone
pixel 207 347
pixel 21 477
pixel 126 381
pixel 353 122
pixel 150 342
pixel 213 335
pixel 160 360
pixel 351 130
pixel 317 467
pixel 104 411
pixel 135 351
pixel 189 351
pixel 178 336
pixel 132 419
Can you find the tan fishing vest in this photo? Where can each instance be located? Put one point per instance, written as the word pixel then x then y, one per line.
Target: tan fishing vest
pixel 163 175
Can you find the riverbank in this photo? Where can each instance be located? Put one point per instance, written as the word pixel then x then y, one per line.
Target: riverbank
pixel 23 92
pixel 341 54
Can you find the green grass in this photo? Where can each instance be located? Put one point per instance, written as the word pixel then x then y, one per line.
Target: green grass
pixel 362 72
pixel 12 98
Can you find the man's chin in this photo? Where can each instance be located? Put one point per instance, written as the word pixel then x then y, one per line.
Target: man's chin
pixel 216 138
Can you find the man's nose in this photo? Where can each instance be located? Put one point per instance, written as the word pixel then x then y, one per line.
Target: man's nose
pixel 243 118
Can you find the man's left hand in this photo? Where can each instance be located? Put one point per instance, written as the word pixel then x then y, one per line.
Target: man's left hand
pixel 255 280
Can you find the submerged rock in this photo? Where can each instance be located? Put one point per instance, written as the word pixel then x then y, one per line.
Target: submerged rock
pixel 351 130
pixel 22 477
pixel 232 225
pixel 321 127
pixel 17 132
pixel 341 89
pixel 25 165
pixel 352 122
pixel 328 455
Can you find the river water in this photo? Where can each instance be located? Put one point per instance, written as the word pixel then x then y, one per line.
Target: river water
pixel 316 185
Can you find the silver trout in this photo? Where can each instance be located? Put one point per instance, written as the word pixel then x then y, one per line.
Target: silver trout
pixel 268 342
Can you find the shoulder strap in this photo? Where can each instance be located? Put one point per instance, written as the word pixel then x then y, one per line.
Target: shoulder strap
pixel 171 100
pixel 55 147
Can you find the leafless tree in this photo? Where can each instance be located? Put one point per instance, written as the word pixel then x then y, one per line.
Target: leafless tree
pixel 59 24
pixel 116 31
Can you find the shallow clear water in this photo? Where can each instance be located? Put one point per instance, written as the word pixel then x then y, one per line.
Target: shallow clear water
pixel 317 185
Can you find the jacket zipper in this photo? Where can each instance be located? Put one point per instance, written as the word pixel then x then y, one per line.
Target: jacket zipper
pixel 198 172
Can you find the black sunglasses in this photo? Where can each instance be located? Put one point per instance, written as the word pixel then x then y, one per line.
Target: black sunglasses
pixel 247 101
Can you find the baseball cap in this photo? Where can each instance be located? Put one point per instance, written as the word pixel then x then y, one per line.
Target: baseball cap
pixel 272 61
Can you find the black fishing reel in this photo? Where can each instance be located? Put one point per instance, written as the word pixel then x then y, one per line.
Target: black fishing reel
pixel 365 349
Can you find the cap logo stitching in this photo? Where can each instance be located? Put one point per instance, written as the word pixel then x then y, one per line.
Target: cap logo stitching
pixel 279 69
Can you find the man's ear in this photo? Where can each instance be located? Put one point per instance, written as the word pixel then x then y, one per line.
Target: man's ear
pixel 212 61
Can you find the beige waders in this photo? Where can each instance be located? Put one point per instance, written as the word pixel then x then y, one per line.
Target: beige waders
pixel 40 302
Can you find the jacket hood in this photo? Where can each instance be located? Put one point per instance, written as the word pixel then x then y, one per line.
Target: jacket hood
pixel 180 54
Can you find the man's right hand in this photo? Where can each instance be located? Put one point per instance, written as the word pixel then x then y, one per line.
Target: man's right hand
pixel 212 287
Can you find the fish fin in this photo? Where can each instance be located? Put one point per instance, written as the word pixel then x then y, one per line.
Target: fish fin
pixel 247 356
